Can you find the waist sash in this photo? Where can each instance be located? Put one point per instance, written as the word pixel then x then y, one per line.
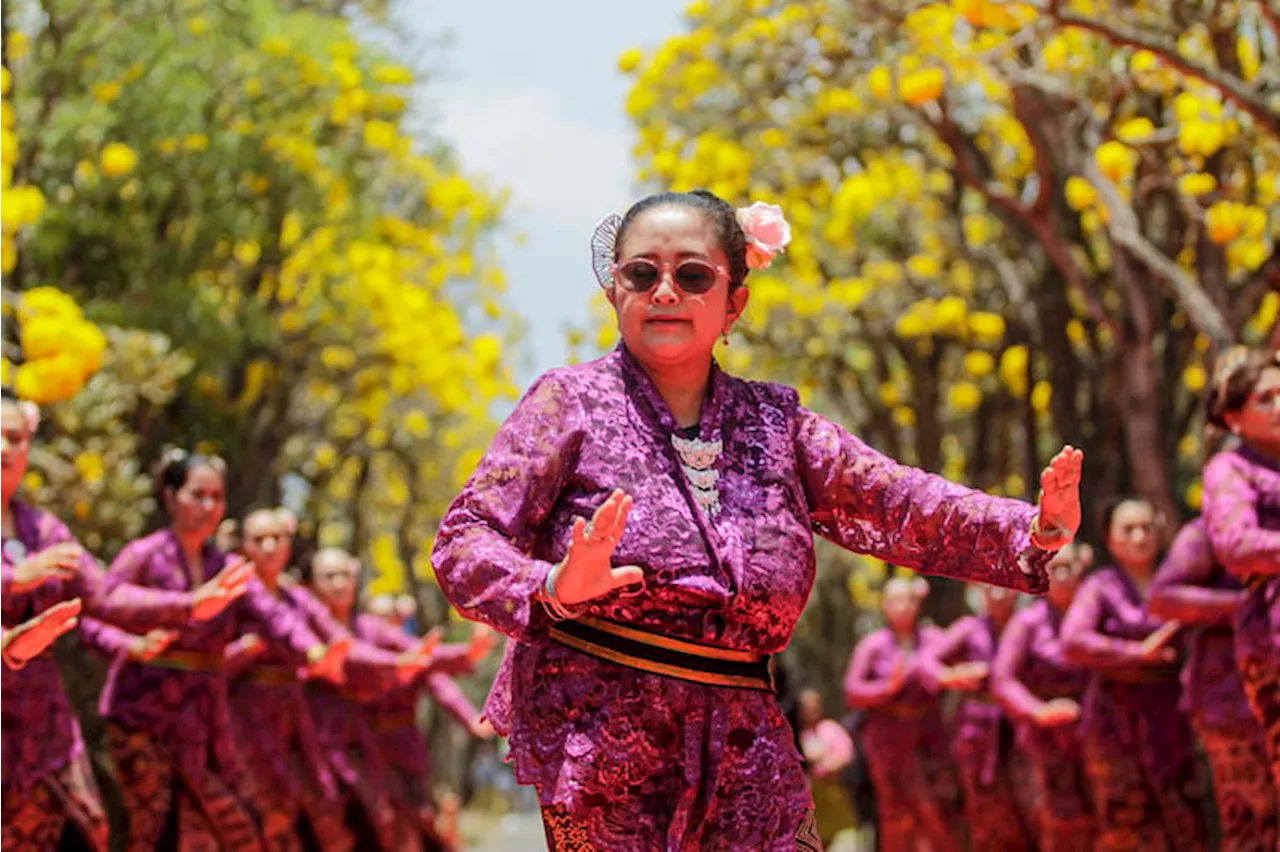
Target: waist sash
pixel 663 655
pixel 187 661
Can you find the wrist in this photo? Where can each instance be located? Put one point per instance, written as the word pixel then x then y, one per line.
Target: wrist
pixel 1049 539
pixel 556 608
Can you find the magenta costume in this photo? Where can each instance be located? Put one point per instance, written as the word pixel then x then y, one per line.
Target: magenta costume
pixel 981 739
pixel 168 719
pixel 905 742
pixel 41 735
pixel 1138 746
pixel 645 761
pixel 1196 591
pixel 1242 517
pixel 1030 669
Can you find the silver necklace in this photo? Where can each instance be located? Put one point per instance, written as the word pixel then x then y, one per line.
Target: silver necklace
pixel 697 462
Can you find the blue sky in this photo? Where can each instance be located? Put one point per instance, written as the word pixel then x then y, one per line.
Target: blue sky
pixel 530 96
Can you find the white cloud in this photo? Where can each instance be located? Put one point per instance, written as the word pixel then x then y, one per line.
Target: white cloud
pixel 558 167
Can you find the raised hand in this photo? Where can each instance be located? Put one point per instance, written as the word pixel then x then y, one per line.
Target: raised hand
pixel 483 640
pixel 419 658
pixel 1059 518
pixel 965 677
pixel 222 589
pixel 1059 711
pixel 146 648
pixel 897 677
pixel 30 639
pixel 587 571
pixel 327 662
pixel 57 562
pixel 1153 647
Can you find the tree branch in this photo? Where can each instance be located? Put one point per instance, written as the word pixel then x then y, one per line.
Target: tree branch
pixel 1233 89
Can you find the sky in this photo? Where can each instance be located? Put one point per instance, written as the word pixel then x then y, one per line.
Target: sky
pixel 529 95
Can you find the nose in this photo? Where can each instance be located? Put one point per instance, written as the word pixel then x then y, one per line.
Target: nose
pixel 665 293
pixel 269 544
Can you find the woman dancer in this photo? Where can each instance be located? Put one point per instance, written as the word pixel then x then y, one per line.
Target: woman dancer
pixel 828 751
pixel 961 661
pixel 271 715
pixel 902 736
pixel 1041 692
pixel 393 718
pixel 1138 746
pixel 47 779
pixel 22 644
pixel 637 694
pixel 168 729
pixel 1196 591
pixel 333 577
pixel 1242 518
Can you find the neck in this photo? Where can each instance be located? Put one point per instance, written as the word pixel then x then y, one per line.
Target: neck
pixel 1140 574
pixel 192 548
pixel 1269 451
pixel 683 388
pixel 905 637
pixel 1060 604
pixel 1000 620
pixel 271 581
pixel 340 612
pixel 6 511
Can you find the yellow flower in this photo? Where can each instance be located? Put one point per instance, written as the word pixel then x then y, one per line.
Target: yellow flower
pixel 1194 496
pixel 965 397
pixel 1013 369
pixel 1194 378
pixel 1116 160
pixel 630 60
pixel 1080 193
pixel 46 301
pixel 49 380
pixel 380 135
pixel 1225 221
pixel 986 327
pixel 196 142
pixel 1197 183
pixel 392 75
pixel 904 416
pixel 921 87
pixel 880 81
pixel 1135 130
pixel 106 92
pixel 978 363
pixel 118 160
pixel 1041 396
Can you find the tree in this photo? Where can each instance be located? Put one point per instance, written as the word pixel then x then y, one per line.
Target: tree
pixel 240 178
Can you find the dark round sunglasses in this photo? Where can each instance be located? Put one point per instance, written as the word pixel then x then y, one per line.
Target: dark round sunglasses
pixel 693 276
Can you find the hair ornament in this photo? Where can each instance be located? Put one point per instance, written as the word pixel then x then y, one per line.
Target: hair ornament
pixel 604 245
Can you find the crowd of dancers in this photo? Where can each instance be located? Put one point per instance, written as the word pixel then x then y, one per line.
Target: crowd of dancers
pixel 1077 716
pixel 244 709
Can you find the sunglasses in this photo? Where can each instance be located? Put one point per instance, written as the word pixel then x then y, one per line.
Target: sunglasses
pixel 693 276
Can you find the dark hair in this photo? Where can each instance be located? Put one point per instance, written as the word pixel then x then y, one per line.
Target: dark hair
pixel 175 466
pixel 1235 375
pixel 720 213
pixel 1112 505
pixel 7 395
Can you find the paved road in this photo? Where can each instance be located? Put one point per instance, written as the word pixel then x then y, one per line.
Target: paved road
pixel 507 833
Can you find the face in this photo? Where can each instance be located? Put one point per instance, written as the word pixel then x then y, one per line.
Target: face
pixel 809 705
pixel 666 326
pixel 1257 422
pixel 16 443
pixel 1132 538
pixel 197 507
pixel 334 579
pixel 901 606
pixel 998 602
pixel 267 542
pixel 1066 569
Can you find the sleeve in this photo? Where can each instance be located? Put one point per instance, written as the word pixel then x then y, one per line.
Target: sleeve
pixel 107 639
pixel 383 635
pixel 276 622
pixel 1011 655
pixel 1083 643
pixel 868 503
pixel 482 552
pixel 1240 543
pixel 120 596
pixel 861 690
pixel 446 693
pixel 1179 591
pixel 933 657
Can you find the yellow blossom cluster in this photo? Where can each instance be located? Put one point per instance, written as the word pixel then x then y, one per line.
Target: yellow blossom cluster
pixel 61 350
pixel 951 170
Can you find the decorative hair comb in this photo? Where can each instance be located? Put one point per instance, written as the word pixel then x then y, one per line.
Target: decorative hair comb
pixel 1230 361
pixel 766 228
pixel 31 414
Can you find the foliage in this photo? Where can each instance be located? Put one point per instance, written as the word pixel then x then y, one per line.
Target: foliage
pixel 1015 226
pixel 299 283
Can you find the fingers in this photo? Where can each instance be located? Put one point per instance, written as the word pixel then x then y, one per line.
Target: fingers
pixel 627 575
pixel 235 575
pixel 579 533
pixel 430 642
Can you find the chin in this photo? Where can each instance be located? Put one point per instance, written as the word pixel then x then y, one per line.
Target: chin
pixel 670 349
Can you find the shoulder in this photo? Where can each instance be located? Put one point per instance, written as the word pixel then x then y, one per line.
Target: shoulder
pixel 561 389
pixel 1227 464
pixel 1100 582
pixel 145 547
pixel 875 639
pixel 48 526
pixel 1030 616
pixel 762 395
pixel 1192 533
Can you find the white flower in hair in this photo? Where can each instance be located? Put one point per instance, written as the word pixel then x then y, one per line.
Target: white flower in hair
pixel 767 230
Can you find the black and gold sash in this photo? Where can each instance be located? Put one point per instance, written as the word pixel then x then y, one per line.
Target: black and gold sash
pixel 663 655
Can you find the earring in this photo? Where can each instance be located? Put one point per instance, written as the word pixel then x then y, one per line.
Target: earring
pixel 724 337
